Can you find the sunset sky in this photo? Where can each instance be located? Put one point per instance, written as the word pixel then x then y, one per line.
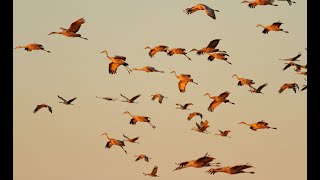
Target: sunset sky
pixel 67 143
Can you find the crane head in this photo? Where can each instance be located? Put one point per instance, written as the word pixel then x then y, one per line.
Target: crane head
pixel 147 47
pixel 104 51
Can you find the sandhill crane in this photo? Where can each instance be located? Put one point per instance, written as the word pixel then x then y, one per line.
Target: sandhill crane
pixel 107 98
pixel 136 119
pixel 133 140
pixel 244 81
pixel 156 49
pixel 130 100
pixel 72 30
pixel 253 4
pixel 184 79
pixel 273 27
pixel 202 127
pixel 153 173
pixel 220 56
pixel 32 46
pixel 142 156
pixel 183 107
pixel 178 51
pixel 292 86
pixel 231 169
pixel 147 69
pixel 42 106
pixel 223 133
pixel 258 125
pixel 198 163
pixel 209 11
pixel 116 61
pixel 191 115
pixel 218 100
pixel 258 90
pixel 159 97
pixel 210 48
pixel 289 2
pixel 293 58
pixel 67 102
pixel 114 142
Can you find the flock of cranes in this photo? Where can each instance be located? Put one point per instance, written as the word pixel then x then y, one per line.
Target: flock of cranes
pixel 213 53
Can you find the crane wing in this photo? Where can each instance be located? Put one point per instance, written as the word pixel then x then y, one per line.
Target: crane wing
pixel 62 98
pixel 203 161
pixel 210 12
pixel 287 66
pixel 50 109
pixel 191 115
pixel 262 86
pixel 120 57
pixel 213 105
pixel 283 87
pixel 71 100
pixel 135 97
pixel 239 167
pixel 160 99
pixel 213 43
pixel 37 108
pixel 75 26
pixel 113 68
pixel 154 170
pixel 224 95
pixel 182 85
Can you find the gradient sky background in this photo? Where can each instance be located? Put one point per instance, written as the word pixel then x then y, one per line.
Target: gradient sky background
pixel 67 144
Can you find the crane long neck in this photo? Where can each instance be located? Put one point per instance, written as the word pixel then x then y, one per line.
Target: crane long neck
pixel 107 136
pixel 129 114
pixel 20 47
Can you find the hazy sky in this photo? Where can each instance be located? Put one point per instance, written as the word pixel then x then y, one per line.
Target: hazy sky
pixel 67 143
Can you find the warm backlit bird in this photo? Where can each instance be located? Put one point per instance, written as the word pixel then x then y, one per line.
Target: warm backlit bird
pixel 32 46
pixel 202 127
pixel 209 11
pixel 289 2
pixel 130 100
pixel 223 133
pixel 156 49
pixel 153 173
pixel 136 119
pixel 244 81
pixel 42 106
pixel 293 58
pixel 178 51
pixel 159 97
pixel 220 56
pixel 142 156
pixel 107 98
pixel 258 90
pixel 198 163
pixel 116 61
pixel 218 100
pixel 72 30
pixel 133 140
pixel 67 102
pixel 147 69
pixel 210 48
pixel 254 3
pixel 184 79
pixel 183 107
pixel 114 142
pixel 191 115
pixel 292 86
pixel 303 73
pixel 258 125
pixel 273 27
pixel 230 169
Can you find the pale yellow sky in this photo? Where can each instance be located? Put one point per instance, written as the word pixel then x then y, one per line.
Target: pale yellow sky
pixel 67 143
